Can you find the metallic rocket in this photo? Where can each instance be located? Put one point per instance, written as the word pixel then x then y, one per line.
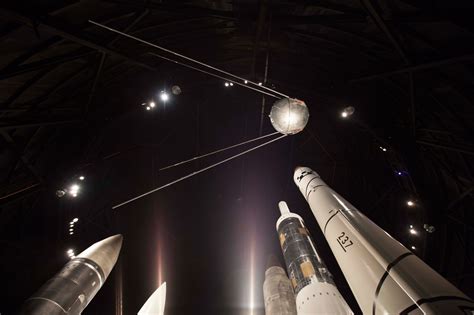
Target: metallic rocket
pixel 155 305
pixel 314 287
pixel 277 291
pixel 71 290
pixel 385 277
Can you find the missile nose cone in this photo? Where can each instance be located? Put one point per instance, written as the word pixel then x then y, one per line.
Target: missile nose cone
pixel 104 253
pixel 297 168
pixel 283 207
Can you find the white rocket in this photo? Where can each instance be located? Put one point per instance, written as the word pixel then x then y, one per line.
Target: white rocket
pixel 155 305
pixel 312 282
pixel 277 290
pixel 385 277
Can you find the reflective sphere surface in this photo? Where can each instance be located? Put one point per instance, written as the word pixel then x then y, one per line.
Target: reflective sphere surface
pixel 176 90
pixel 289 116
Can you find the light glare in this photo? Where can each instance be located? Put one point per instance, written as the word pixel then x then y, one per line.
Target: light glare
pixel 413 231
pixel 344 114
pixel 75 220
pixel 410 203
pixel 164 96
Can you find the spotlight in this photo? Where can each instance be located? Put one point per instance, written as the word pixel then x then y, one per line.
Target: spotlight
pixel 348 111
pixel 413 231
pixel 260 83
pixel 60 193
pixel 148 108
pixel 411 226
pixel 75 220
pixel 413 247
pixel 152 104
pixel 226 84
pixel 410 203
pixel 74 189
pixel 71 233
pixel 429 228
pixel 164 96
pixel 231 84
pixel 383 149
pixel 70 251
pixel 81 178
pixel 246 81
pixel 399 173
pixel 71 230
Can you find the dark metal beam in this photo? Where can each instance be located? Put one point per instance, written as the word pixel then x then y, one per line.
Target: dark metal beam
pixel 385 28
pixel 423 66
pixel 39 123
pixel 23 88
pixel 20 193
pixel 31 52
pixel 137 17
pixel 96 80
pixel 53 25
pixel 445 147
pixel 45 63
pixel 19 153
pixel 459 199
pixel 8 28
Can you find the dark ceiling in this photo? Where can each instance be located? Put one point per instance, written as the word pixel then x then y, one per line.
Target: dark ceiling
pixel 70 105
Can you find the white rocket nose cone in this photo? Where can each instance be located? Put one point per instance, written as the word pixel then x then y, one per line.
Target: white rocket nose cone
pixel 300 172
pixel 283 207
pixel 104 253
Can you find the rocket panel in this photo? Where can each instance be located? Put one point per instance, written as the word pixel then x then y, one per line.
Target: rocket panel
pixel 303 264
pixel 278 293
pixel 321 298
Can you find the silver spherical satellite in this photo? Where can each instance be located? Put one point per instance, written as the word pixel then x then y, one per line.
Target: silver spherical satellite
pixel 289 116
pixel 176 90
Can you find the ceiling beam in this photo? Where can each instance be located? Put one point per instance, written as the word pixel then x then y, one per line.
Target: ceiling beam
pixel 385 28
pixel 19 154
pixel 422 66
pixel 445 147
pixel 96 80
pixel 455 202
pixel 54 26
pixel 39 123
pixel 45 63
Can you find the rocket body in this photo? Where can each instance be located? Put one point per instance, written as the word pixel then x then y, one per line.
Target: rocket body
pixel 155 305
pixel 315 290
pixel 385 277
pixel 277 291
pixel 71 290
